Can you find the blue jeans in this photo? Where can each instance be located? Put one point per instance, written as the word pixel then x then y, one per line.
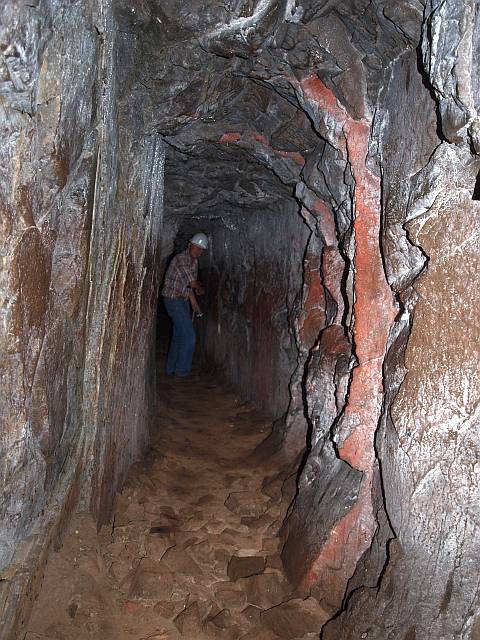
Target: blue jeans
pixel 182 344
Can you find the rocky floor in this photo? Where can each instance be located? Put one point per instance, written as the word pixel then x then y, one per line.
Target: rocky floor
pixel 193 548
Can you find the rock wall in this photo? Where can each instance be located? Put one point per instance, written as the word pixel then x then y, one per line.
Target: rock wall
pixel 254 284
pixel 360 118
pixel 80 222
pixel 428 437
pixel 389 91
pixel 343 416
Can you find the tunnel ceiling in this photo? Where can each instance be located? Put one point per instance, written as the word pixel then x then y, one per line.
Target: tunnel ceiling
pixel 220 82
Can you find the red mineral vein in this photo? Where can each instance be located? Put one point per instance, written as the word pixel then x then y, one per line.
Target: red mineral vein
pixel 230 136
pixel 374 312
pixel 292 155
pixel 327 222
pixel 320 95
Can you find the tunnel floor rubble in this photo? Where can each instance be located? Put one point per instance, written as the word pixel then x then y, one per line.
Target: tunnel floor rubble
pixel 193 548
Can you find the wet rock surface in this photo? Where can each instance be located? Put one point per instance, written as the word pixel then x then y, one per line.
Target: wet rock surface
pixel 176 562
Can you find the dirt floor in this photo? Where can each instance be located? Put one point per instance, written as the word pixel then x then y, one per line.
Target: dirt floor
pixel 193 549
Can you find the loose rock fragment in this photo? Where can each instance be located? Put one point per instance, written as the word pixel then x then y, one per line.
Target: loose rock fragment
pixel 242 567
pixel 252 614
pixel 189 621
pixel 246 503
pixel 150 581
pixel 166 609
pixel 179 561
pixel 295 618
pixel 266 589
pixel 228 596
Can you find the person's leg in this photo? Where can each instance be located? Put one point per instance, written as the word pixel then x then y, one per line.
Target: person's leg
pixel 171 307
pixel 186 342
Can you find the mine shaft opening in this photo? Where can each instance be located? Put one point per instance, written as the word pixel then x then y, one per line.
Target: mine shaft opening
pixel 253 269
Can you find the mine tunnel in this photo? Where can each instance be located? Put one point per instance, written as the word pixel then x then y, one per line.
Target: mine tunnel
pixel 317 475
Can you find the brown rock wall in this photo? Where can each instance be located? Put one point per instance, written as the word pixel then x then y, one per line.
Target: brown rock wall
pixel 328 559
pixel 80 227
pixel 254 282
pixel 359 116
pixel 426 441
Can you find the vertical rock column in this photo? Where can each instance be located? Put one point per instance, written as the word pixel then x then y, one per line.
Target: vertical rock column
pixel 336 491
pixel 428 441
pixel 48 149
pixel 80 222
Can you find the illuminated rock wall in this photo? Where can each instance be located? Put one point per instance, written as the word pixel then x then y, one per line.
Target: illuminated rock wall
pixel 80 222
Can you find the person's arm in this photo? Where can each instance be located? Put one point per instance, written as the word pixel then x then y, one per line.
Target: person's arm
pixel 198 286
pixel 199 289
pixel 193 302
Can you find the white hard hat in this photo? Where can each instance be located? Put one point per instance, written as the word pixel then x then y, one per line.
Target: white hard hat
pixel 200 240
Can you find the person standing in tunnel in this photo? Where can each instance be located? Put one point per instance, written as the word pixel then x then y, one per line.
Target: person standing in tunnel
pixel 179 293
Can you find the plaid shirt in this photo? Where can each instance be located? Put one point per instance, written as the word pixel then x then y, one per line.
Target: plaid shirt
pixel 182 270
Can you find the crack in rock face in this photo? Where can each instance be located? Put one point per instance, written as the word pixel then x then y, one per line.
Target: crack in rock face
pixel 328 150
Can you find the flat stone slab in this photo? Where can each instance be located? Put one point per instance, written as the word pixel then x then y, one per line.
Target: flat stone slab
pixel 295 618
pixel 227 596
pixel 243 567
pixel 179 561
pixel 252 614
pixel 246 503
pixel 189 621
pixel 265 590
pixel 150 581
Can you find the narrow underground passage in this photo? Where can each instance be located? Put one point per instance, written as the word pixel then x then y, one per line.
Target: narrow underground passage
pixel 193 546
pixel 192 550
pixel 329 151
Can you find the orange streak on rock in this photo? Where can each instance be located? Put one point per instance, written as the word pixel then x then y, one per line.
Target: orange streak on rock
pixel 374 308
pixel 320 208
pixel 327 222
pixel 259 138
pixel 231 136
pixel 316 92
pixel 374 312
pixel 352 532
pixel 291 155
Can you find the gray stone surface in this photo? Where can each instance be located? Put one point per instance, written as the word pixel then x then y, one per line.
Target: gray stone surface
pixel 79 232
pixel 328 149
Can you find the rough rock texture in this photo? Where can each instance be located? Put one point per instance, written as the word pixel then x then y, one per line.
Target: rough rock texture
pixel 79 229
pixel 368 167
pixel 178 561
pixel 253 290
pixel 426 442
pixel 329 151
